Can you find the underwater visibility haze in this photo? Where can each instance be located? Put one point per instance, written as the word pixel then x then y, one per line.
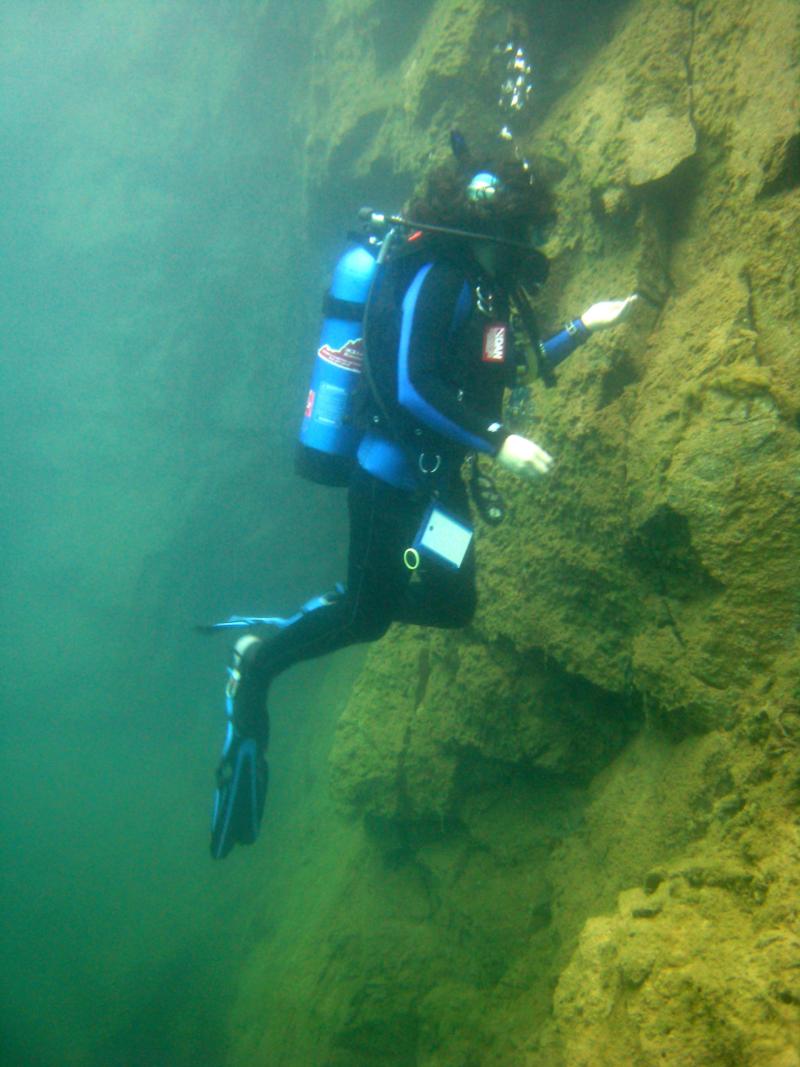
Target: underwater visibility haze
pixel 563 835
pixel 152 256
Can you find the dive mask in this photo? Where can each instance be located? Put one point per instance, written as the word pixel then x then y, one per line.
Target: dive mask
pixel 484 187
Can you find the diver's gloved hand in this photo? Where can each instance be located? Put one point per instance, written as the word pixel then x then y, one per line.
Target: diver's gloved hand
pixel 607 313
pixel 523 457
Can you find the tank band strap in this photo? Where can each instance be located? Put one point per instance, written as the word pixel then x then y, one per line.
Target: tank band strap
pixel 334 308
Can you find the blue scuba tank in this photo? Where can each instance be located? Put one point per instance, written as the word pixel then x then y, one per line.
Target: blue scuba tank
pixel 329 436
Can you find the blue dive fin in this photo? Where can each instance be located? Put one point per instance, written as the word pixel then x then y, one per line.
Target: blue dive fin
pixel 242 777
pixel 248 622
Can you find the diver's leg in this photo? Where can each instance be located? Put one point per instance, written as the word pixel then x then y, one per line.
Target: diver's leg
pixel 383 521
pixel 442 598
pixel 439 596
pixel 380 520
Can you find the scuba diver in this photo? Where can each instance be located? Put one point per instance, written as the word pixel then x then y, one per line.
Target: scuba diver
pixel 435 301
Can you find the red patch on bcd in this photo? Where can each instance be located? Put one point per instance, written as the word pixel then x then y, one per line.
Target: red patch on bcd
pixel 494 342
pixel 310 403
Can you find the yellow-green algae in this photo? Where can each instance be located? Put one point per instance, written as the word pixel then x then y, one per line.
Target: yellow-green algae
pixel 573 828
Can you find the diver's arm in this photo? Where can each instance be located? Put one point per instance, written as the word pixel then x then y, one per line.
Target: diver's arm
pixel 598 317
pixel 562 344
pixel 429 309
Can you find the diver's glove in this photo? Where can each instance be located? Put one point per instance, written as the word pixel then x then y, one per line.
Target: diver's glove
pixel 607 313
pixel 523 457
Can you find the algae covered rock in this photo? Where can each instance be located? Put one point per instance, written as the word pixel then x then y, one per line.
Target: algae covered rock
pixel 657 143
pixel 655 570
pixel 416 739
pixel 588 799
pixel 670 977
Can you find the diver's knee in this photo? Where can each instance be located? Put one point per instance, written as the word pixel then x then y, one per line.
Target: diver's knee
pixel 371 629
pixel 462 612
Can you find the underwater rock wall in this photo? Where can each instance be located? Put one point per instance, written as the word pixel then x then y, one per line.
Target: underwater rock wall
pixel 579 817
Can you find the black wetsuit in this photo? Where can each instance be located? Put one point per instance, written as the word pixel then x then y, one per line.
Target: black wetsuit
pixel 456 408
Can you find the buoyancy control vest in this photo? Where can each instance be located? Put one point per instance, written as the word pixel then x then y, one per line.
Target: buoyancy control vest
pixel 349 391
pixel 352 388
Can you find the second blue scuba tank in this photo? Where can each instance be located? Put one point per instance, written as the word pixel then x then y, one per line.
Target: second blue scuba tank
pixel 329 435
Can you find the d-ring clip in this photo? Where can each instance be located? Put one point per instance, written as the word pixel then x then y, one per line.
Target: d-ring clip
pixel 429 470
pixel 411 558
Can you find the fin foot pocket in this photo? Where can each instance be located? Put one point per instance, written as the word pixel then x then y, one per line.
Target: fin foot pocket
pixel 242 780
pixel 242 773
